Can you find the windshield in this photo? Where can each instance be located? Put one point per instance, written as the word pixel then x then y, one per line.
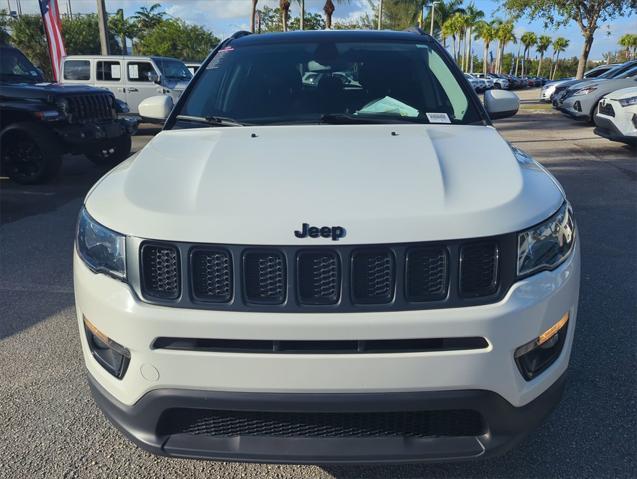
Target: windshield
pixel 173 69
pixel 305 82
pixel 14 66
pixel 629 74
pixel 618 70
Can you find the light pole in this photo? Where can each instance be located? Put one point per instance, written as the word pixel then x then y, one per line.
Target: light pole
pixel 432 5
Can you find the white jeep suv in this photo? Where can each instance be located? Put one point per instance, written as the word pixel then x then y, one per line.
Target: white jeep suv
pixel 356 269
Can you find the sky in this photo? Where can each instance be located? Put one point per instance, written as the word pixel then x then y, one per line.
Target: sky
pixel 225 17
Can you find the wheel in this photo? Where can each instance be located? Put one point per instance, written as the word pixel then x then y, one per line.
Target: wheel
pixel 111 152
pixel 28 162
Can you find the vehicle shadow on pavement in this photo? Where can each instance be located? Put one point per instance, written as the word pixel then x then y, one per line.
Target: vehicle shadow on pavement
pixel 76 177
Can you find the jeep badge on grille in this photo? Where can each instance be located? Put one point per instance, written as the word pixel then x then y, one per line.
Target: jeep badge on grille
pixel 334 232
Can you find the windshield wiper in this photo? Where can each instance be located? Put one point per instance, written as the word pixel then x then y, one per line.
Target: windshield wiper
pixel 211 120
pixel 345 119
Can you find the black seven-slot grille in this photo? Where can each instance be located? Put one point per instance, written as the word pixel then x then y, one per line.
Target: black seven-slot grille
pixel 327 278
pixel 96 106
pixel 408 424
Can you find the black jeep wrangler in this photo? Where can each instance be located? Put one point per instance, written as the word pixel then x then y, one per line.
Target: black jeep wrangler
pixel 40 122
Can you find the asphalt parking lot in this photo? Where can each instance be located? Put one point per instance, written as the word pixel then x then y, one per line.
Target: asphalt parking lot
pixel 51 427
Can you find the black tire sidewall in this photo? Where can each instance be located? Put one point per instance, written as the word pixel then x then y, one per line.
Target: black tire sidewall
pixel 51 161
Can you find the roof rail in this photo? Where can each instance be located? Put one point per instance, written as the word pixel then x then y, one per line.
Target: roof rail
pixel 417 30
pixel 239 34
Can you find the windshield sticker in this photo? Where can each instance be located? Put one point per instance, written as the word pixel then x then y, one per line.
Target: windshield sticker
pixel 133 72
pixel 116 72
pixel 438 118
pixel 218 58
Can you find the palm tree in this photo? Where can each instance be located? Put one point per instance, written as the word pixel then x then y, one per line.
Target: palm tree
pixel 543 44
pixel 528 39
pixel 485 31
pixel 453 28
pixel 284 6
pixel 444 11
pixel 504 35
pixel 629 42
pixel 461 21
pixel 302 19
pixel 148 18
pixel 253 15
pixel 472 17
pixel 559 45
pixel 449 30
pixel 123 27
pixel 329 8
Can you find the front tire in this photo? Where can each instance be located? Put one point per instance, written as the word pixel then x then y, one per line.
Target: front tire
pixel 27 161
pixel 111 152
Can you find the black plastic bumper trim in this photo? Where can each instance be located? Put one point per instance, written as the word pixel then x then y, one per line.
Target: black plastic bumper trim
pixel 264 346
pixel 506 425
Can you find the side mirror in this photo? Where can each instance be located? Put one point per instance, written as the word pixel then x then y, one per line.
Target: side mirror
pixel 501 103
pixel 156 107
pixel 154 77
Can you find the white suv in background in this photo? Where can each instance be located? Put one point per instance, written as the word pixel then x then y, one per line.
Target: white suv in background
pixel 616 116
pixel 357 269
pixel 132 79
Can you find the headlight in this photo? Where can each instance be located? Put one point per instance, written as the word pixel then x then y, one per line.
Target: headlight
pixel 102 250
pixel 548 244
pixel 585 91
pixel 628 101
pixel 121 106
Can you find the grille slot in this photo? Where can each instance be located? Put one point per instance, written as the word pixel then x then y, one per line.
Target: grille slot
pixel 407 424
pixel 427 277
pixel 479 269
pixel 373 276
pixel 265 277
pixel 160 271
pixel 318 277
pixel 211 275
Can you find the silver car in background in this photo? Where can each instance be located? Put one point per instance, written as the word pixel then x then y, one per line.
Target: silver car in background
pixel 580 102
pixel 548 90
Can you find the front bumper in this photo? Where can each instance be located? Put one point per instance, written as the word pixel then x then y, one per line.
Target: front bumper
pixel 487 379
pixel 80 135
pixel 145 423
pixel 576 107
pixel 606 128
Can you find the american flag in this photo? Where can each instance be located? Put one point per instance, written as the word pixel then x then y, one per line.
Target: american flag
pixel 53 28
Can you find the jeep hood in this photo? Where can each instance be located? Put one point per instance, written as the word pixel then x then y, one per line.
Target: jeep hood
pixel 382 183
pixel 44 91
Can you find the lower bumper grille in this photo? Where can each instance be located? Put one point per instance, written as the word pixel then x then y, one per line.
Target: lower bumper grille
pixel 373 346
pixel 415 424
pixel 607 109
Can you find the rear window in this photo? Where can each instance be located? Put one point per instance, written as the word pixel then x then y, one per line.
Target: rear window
pixel 77 70
pixel 301 82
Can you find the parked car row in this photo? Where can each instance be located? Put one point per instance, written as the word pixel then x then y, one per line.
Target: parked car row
pixel 481 81
pixel 606 96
